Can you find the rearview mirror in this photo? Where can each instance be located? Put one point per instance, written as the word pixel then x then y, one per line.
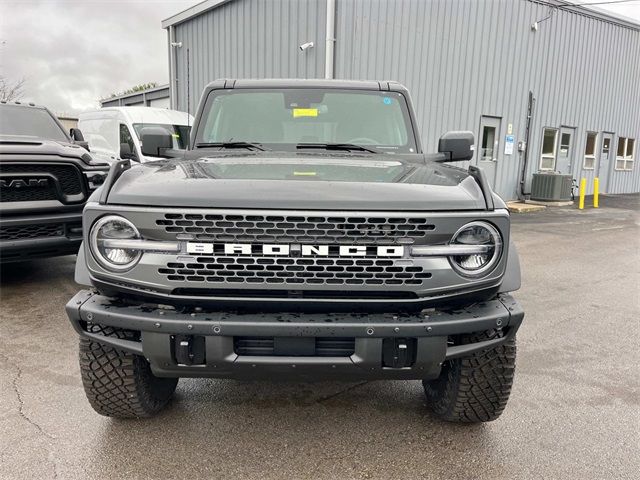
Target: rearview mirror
pixel 458 146
pixel 155 141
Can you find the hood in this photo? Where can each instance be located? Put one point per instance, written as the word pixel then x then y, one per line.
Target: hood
pixel 299 181
pixel 20 145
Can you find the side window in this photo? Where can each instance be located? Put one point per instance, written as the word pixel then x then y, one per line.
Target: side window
pixel 125 137
pixel 624 154
pixel 548 156
pixel 590 151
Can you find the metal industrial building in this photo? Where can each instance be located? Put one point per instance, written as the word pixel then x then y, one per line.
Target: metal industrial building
pixel 470 65
pixel 151 97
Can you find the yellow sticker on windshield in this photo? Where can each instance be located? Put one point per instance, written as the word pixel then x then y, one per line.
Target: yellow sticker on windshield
pixel 305 112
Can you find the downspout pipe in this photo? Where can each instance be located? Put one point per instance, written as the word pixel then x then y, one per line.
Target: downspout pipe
pixel 331 39
pixel 172 69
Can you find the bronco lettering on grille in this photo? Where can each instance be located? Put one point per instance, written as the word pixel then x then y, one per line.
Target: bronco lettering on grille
pixel 295 250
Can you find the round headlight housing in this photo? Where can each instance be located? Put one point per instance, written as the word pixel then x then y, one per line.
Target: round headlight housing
pixel 114 227
pixel 477 264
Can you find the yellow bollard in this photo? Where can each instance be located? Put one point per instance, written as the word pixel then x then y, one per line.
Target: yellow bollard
pixel 583 188
pixel 596 186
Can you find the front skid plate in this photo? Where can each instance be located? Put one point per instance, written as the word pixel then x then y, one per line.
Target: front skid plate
pixel 158 325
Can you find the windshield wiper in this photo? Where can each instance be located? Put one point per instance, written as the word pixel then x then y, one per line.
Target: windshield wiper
pixel 247 145
pixel 337 146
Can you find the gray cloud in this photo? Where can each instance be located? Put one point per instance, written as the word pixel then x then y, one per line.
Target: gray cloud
pixel 72 53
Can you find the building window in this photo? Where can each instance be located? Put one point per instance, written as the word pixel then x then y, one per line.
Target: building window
pixel 624 155
pixel 548 157
pixel 590 151
pixel 565 144
pixel 488 142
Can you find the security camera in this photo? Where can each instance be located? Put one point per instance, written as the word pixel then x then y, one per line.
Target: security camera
pixel 306 46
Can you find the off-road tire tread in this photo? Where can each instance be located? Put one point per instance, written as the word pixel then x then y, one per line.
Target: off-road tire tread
pixel 118 383
pixel 475 388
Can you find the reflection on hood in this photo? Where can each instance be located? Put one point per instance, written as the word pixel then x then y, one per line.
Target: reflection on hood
pixel 310 167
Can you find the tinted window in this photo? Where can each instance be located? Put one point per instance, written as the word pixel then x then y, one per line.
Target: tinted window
pixel 125 137
pixel 33 122
pixel 281 119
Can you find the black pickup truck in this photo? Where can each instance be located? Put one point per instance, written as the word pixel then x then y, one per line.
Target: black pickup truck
pixel 46 177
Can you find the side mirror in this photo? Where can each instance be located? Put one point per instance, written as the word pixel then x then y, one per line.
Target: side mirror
pixel 155 141
pixel 458 146
pixel 126 153
pixel 78 138
pixel 76 135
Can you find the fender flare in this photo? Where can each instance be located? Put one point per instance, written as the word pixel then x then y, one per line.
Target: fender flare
pixel 511 280
pixel 82 276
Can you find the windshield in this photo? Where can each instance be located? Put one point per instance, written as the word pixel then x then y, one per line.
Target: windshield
pixel 282 119
pixel 30 121
pixel 179 133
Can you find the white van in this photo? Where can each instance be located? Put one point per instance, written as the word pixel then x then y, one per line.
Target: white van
pixel 114 133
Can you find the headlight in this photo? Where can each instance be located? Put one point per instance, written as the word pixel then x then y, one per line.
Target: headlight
pixel 479 234
pixel 113 227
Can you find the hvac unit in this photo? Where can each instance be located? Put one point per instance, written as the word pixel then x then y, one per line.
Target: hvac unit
pixel 551 187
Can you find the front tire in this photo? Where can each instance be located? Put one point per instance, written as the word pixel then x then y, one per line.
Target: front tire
pixel 118 383
pixel 475 388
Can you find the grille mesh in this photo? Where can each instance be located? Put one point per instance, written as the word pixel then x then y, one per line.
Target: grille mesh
pixel 32 231
pixel 294 271
pixel 28 194
pixel 68 176
pixel 286 229
pixel 265 346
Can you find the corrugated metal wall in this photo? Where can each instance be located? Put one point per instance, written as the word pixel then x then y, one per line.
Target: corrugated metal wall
pixel 250 39
pixel 460 59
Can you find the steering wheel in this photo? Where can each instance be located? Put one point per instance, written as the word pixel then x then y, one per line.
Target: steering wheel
pixel 363 141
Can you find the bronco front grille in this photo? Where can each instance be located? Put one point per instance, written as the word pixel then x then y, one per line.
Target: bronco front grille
pixel 68 176
pixel 286 229
pixel 294 271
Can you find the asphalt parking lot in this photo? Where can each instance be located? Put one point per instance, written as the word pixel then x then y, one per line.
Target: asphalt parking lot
pixel 574 410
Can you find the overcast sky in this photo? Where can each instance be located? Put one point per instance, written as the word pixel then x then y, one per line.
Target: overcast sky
pixel 74 52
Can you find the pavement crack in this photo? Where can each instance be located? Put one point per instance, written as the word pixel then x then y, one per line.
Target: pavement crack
pixel 344 390
pixel 16 389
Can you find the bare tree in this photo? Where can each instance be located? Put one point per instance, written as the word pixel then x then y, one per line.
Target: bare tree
pixel 11 91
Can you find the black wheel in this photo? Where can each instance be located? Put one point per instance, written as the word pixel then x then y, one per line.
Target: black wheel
pixel 120 384
pixel 475 388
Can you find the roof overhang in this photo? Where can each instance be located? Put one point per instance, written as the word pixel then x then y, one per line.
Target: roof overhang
pixel 568 5
pixel 192 12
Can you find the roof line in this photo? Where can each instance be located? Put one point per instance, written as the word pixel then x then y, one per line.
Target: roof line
pixel 133 94
pixel 569 6
pixel 192 12
pixel 591 11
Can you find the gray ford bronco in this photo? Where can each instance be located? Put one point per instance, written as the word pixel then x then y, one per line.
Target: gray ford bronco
pixel 303 235
pixel 46 176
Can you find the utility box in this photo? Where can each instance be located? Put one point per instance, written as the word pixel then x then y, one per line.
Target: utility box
pixel 551 187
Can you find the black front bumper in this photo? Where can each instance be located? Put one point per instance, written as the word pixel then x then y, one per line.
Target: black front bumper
pixel 26 237
pixel 216 331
